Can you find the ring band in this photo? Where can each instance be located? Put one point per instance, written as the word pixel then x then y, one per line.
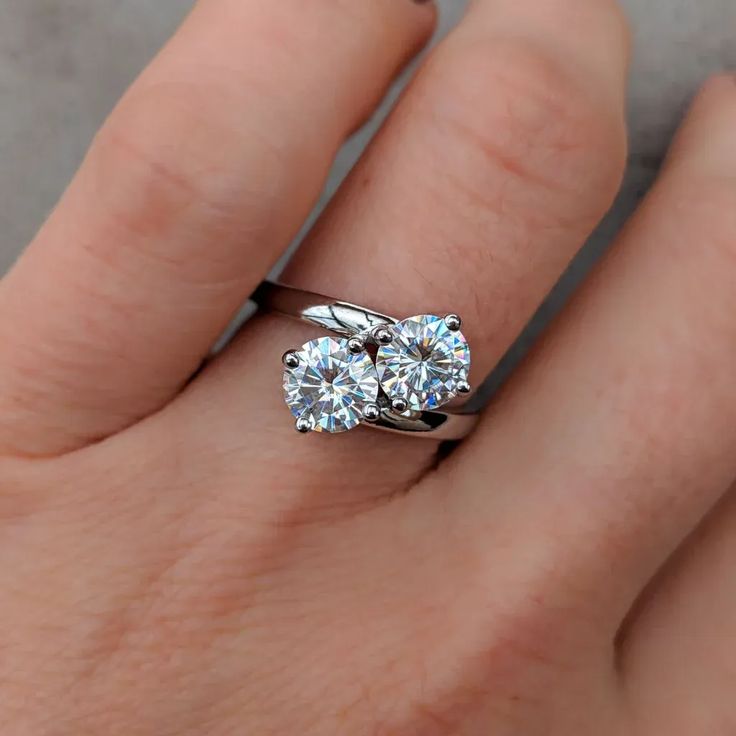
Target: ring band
pixel 348 321
pixel 341 318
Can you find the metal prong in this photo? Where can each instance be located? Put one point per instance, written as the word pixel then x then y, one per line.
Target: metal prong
pixel 303 425
pixel 399 405
pixel 453 322
pixel 356 345
pixel 463 387
pixel 371 412
pixel 290 359
pixel 382 335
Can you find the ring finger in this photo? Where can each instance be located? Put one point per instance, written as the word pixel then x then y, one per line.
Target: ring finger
pixel 496 165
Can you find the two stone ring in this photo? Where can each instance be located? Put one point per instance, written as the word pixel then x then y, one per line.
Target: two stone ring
pixel 391 374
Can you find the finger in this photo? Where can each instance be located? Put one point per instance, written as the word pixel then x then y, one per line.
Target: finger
pixel 503 156
pixel 193 188
pixel 618 436
pixel 687 615
pixel 500 158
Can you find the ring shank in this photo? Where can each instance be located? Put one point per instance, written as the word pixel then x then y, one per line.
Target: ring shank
pixel 340 317
pixel 347 320
pixel 435 425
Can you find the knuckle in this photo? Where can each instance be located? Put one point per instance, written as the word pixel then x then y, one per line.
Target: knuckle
pixel 530 121
pixel 165 165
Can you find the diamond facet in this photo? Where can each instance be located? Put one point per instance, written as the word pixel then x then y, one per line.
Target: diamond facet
pixel 331 385
pixel 425 362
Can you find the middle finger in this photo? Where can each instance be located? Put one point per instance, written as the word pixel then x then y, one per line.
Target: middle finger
pixel 498 162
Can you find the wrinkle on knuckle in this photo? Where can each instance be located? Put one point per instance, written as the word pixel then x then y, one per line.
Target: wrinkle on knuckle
pixel 541 137
pixel 170 164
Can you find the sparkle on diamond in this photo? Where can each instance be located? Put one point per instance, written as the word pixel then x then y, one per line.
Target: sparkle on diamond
pixel 331 386
pixel 424 363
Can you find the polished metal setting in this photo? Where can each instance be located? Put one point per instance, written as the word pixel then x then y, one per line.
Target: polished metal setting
pixel 311 379
pixel 290 359
pixel 400 405
pixel 453 322
pixel 463 387
pixel 356 345
pixel 338 317
pixel 303 425
pixel 382 336
pixel 371 412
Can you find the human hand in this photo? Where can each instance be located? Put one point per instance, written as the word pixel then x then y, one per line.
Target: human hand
pixel 176 560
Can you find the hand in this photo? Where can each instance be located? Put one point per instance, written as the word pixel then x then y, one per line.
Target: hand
pixel 178 561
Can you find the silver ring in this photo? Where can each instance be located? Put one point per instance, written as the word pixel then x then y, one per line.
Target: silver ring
pixel 373 359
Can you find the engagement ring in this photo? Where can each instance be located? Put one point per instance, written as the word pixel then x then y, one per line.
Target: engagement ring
pixel 374 369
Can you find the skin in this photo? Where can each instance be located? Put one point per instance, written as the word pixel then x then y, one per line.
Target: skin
pixel 176 560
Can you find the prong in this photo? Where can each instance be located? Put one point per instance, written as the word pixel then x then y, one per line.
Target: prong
pixel 356 345
pixel 371 412
pixel 453 322
pixel 463 387
pixel 399 405
pixel 290 359
pixel 303 425
pixel 382 335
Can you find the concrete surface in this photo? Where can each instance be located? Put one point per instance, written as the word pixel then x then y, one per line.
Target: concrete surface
pixel 63 63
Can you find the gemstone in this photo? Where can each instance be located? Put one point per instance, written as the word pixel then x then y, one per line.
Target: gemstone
pixel 331 385
pixel 424 363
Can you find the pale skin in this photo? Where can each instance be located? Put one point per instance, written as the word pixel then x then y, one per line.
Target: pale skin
pixel 176 560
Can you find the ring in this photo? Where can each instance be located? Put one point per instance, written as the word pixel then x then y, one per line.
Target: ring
pixel 376 370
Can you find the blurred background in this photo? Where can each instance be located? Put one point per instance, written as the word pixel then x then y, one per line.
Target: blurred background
pixel 63 64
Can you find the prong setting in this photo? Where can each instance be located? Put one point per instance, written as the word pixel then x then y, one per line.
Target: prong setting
pixel 303 425
pixel 453 322
pixel 463 387
pixel 356 345
pixel 330 386
pixel 371 413
pixel 425 361
pixel 382 335
pixel 290 359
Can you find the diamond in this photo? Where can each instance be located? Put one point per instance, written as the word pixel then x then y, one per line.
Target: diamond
pixel 425 364
pixel 330 386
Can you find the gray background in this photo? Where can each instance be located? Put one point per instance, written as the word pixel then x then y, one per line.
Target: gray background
pixel 63 63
